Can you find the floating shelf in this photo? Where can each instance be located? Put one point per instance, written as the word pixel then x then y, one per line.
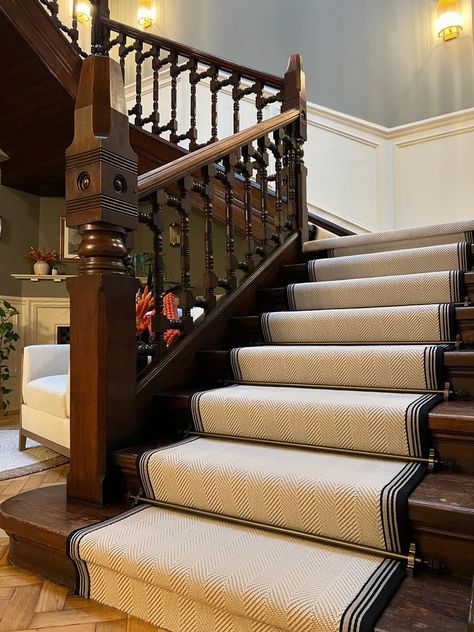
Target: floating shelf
pixel 34 278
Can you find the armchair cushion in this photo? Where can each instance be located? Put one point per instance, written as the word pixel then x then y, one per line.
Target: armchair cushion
pixel 48 394
pixel 41 361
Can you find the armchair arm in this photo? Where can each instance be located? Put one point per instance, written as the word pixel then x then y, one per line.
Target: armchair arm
pixel 43 360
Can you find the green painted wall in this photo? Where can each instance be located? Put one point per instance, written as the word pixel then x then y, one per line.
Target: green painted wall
pixel 20 212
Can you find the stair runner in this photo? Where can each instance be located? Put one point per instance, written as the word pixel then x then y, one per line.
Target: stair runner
pixel 355 366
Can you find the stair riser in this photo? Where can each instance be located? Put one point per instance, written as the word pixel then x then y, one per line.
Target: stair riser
pixel 454 549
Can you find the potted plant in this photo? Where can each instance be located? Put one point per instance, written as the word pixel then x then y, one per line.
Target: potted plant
pixel 8 337
pixel 42 257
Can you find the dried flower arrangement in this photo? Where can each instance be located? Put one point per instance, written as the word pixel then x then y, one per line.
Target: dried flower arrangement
pixel 42 254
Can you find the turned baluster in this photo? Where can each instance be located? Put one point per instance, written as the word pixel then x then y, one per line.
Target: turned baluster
pixel 230 260
pixel 236 95
pixel 291 183
pixel 215 86
pixel 160 322
pixel 100 34
pixel 124 50
pixel 156 66
pixel 261 158
pixel 210 280
pixel 194 79
pixel 174 73
pixel 137 110
pixel 186 296
pixel 246 170
pixel 277 149
pixel 74 33
pixel 259 100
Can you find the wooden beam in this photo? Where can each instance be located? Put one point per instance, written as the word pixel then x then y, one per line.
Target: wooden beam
pixel 102 203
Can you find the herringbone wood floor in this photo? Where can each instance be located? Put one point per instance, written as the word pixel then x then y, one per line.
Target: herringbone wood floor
pixel 28 602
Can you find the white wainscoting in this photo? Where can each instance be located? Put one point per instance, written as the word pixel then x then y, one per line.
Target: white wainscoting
pixel 36 323
pixel 362 175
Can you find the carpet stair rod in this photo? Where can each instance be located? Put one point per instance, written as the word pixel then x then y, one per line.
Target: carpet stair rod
pixel 411 558
pixel 431 460
pixel 454 343
pixel 447 392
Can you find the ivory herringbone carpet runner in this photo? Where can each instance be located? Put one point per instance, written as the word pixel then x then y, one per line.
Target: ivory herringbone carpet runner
pixel 320 438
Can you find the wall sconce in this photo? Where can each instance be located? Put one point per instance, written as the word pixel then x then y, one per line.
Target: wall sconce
pixel 449 22
pixel 145 13
pixel 83 12
pixel 175 235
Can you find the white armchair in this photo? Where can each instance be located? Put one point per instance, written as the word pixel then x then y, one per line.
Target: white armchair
pixel 45 409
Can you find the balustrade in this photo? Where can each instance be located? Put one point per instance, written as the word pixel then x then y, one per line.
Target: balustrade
pixel 181 94
pixel 246 173
pixel 65 21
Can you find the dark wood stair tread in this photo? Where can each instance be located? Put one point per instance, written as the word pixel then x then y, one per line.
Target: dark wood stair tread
pixel 448 495
pixel 431 602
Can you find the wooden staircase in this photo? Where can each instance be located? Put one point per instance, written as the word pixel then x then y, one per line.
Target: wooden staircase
pixel 128 418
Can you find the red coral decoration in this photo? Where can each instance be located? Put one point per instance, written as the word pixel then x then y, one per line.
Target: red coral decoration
pixel 170 310
pixel 144 311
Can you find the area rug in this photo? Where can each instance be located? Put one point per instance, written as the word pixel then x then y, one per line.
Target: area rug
pixel 36 458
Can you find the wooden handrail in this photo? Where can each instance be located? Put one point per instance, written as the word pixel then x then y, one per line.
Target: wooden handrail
pixel 270 80
pixel 326 224
pixel 167 174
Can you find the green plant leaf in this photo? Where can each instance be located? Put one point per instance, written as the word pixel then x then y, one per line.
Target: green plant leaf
pixel 6 391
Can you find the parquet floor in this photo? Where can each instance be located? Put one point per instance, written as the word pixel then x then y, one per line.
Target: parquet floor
pixel 29 603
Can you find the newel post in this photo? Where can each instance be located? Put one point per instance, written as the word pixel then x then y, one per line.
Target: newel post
pixel 101 196
pixel 294 96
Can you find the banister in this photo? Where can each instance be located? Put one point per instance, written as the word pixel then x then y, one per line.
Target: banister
pixel 326 224
pixel 269 79
pixel 167 174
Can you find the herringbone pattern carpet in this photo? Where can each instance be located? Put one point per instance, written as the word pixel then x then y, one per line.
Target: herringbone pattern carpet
pixel 29 603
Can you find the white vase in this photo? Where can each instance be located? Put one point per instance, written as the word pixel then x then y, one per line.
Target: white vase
pixel 41 267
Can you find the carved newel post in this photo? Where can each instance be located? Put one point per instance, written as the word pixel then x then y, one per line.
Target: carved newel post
pixel 101 195
pixel 294 96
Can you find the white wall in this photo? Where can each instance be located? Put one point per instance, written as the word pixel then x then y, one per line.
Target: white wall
pixel 370 177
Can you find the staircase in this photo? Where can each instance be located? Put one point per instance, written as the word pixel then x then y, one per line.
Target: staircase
pixel 272 469
pixel 307 444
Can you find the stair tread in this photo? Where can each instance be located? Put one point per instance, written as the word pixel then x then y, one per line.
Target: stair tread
pixel 310 492
pixel 446 491
pixel 428 601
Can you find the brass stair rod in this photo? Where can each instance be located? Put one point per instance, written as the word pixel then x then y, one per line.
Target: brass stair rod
pixel 443 392
pixel 410 559
pixel 431 460
pixel 455 343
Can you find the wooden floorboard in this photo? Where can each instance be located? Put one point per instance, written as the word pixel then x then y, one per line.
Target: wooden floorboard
pixel 30 603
